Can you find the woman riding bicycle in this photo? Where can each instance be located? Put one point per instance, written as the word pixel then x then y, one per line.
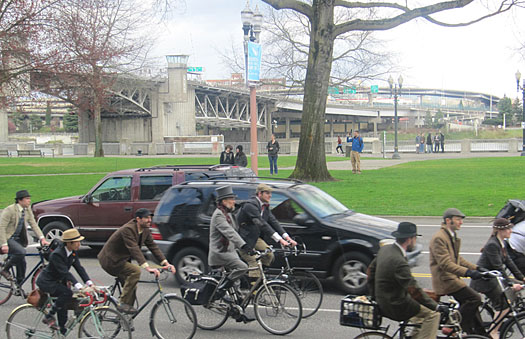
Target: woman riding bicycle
pixel 494 256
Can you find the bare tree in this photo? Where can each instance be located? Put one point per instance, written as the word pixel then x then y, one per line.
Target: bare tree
pixel 329 19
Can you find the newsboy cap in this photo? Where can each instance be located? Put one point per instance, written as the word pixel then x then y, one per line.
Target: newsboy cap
pixel 263 188
pixel 453 212
pixel 143 212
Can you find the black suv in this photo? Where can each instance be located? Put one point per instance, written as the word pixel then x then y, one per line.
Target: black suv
pixel 340 242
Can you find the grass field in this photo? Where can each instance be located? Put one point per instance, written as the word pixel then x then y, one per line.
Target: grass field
pixel 477 186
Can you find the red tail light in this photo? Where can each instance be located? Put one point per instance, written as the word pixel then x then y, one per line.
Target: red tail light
pixel 155 233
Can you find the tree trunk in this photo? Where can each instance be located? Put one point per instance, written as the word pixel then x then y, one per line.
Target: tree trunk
pixel 311 158
pixel 99 151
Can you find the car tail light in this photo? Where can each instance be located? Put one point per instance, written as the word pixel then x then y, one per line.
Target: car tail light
pixel 155 233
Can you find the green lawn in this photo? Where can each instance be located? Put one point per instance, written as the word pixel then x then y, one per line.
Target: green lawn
pixel 477 186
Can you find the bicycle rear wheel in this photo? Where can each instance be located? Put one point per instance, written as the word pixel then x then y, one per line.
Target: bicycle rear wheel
pixel 277 308
pixel 373 335
pixel 25 322
pixel 35 276
pixel 309 290
pixel 104 322
pixel 171 316
pixel 513 328
pixel 7 285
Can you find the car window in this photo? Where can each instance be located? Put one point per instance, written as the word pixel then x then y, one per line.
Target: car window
pixel 182 205
pixel 241 193
pixel 153 187
pixel 284 208
pixel 113 189
pixel 317 201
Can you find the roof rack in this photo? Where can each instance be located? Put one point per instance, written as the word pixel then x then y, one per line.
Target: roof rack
pixel 247 179
pixel 175 167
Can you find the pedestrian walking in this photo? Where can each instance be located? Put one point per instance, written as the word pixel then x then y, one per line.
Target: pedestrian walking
pixel 273 149
pixel 339 145
pixel 442 141
pixel 418 142
pixel 429 143
pixel 355 155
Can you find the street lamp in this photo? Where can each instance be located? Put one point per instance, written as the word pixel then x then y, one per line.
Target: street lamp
pixel 522 88
pixel 395 90
pixel 251 26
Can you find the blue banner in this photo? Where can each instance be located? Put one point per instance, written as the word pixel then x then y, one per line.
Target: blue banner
pixel 254 61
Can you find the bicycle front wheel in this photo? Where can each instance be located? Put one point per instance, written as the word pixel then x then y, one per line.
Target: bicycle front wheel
pixel 212 315
pixel 26 322
pixel 173 315
pixel 513 328
pixel 277 308
pixel 309 290
pixel 104 322
pixel 373 335
pixel 6 286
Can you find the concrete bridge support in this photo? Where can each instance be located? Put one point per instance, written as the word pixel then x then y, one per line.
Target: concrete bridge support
pixel 3 124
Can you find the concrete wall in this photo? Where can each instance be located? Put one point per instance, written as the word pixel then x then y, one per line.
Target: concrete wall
pixel 3 125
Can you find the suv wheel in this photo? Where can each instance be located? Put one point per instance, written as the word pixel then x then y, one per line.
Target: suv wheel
pixel 54 230
pixel 189 261
pixel 350 272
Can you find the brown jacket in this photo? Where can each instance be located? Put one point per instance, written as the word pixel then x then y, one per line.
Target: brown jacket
pixel 123 245
pixel 9 222
pixel 446 265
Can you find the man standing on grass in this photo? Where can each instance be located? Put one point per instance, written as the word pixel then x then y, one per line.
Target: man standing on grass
pixel 355 155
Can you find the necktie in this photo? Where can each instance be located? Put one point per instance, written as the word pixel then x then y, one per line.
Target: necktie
pixel 21 231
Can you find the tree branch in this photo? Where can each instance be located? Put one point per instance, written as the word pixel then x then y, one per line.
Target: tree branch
pixel 298 6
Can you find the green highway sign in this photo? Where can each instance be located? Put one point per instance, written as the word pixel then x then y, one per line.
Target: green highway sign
pixel 374 89
pixel 349 90
pixel 195 69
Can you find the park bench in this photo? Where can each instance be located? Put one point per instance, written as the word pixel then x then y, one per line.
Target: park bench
pixel 4 152
pixel 30 152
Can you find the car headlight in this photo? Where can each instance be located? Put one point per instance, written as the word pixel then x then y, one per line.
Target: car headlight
pixel 386 242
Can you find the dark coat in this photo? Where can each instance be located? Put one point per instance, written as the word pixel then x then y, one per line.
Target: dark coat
pixel 240 159
pixel 252 224
pixel 123 245
pixel 274 148
pixel 57 271
pixel 429 139
pixel 227 158
pixel 493 258
pixel 394 288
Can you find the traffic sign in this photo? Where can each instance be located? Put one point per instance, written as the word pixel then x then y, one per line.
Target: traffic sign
pixel 374 89
pixel 195 69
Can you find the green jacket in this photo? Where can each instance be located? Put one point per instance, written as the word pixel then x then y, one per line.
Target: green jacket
pixel 391 284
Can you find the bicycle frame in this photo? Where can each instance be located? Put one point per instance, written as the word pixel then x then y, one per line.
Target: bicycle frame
pixel 41 262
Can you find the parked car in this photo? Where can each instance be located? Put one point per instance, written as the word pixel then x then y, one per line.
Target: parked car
pixel 113 200
pixel 340 242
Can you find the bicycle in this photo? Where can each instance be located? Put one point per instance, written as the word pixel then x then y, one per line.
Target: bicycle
pixel 363 313
pixel 8 285
pixel 25 321
pixel 169 311
pixel 277 306
pixel 305 283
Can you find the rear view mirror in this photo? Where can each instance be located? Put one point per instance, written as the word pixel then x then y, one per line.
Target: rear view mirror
pixel 88 199
pixel 303 219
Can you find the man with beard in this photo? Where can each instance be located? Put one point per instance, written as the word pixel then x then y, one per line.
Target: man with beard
pixel 397 293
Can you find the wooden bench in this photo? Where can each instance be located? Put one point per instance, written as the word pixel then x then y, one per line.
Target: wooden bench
pixel 4 153
pixel 30 152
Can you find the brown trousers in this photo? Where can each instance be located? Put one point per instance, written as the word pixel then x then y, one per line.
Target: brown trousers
pixel 260 245
pixel 429 321
pixel 355 158
pixel 130 274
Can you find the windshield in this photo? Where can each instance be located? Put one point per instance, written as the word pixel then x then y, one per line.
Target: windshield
pixel 317 201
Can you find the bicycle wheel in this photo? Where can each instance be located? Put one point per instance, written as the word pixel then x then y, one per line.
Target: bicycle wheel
pixel 26 322
pixel 7 285
pixel 173 315
pixel 35 276
pixel 373 335
pixel 104 322
pixel 309 290
pixel 277 308
pixel 487 314
pixel 513 328
pixel 212 315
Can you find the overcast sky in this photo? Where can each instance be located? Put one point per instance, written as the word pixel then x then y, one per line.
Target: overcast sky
pixel 481 57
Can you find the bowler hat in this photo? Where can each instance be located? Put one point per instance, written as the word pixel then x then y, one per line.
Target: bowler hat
pixel 453 212
pixel 71 234
pixel 406 229
pixel 225 192
pixel 502 223
pixel 22 194
pixel 142 213
pixel 263 188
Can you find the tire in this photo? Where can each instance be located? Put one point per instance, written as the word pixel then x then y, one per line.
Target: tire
pixel 373 335
pixel 350 272
pixel 187 261
pixel 54 230
pixel 171 316
pixel 487 314
pixel 309 290
pixel 104 322
pixel 212 315
pixel 277 308
pixel 26 321
pixel 511 327
pixel 35 277
pixel 7 285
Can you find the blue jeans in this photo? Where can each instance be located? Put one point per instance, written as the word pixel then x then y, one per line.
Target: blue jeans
pixel 273 164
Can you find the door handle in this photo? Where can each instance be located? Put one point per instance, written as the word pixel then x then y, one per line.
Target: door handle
pixel 128 209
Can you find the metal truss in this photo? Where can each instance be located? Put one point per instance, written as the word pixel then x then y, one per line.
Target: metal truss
pixel 132 96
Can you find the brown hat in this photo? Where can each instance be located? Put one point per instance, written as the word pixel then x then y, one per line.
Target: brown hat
pixel 453 212
pixel 502 223
pixel 71 234
pixel 263 188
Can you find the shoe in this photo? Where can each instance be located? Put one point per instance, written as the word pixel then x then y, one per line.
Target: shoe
pixel 19 292
pixel 50 321
pixel 125 308
pixel 245 319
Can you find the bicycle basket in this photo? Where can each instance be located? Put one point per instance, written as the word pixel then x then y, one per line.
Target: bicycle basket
pixel 198 292
pixel 361 312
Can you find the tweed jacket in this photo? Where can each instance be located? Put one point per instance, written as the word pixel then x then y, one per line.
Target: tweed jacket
pixel 446 265
pixel 57 271
pixel 123 245
pixel 9 222
pixel 224 239
pixel 493 258
pixel 394 288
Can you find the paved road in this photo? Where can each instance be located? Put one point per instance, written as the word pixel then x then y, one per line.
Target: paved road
pixel 474 233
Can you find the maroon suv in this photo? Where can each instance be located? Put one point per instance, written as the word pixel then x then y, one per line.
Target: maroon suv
pixel 114 199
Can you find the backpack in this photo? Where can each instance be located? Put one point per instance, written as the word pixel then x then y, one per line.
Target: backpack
pixel 514 210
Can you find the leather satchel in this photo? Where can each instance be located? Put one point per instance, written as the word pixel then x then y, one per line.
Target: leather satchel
pixel 37 298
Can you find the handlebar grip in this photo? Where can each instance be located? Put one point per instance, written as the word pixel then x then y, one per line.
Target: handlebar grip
pixel 104 299
pixel 90 300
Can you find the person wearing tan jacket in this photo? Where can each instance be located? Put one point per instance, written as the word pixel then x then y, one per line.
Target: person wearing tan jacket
pixel 125 244
pixel 447 266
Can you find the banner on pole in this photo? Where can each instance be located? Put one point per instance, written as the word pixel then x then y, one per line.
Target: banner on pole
pixel 254 61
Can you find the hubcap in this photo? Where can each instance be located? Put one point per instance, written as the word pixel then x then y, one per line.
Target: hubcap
pixel 55 233
pixel 190 264
pixel 353 274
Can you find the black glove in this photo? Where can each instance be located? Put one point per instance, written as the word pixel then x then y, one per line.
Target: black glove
pixel 443 309
pixel 248 249
pixel 474 274
pixel 481 269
